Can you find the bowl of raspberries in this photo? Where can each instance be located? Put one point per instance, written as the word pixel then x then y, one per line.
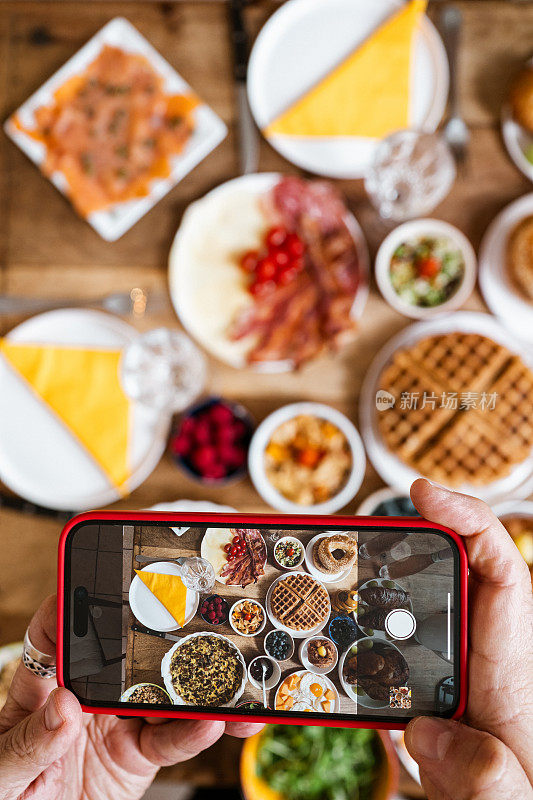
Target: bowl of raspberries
pixel 214 610
pixel 210 442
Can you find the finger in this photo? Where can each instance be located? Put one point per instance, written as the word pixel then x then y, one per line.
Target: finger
pixel 178 741
pixel 492 555
pixel 28 692
pixel 242 730
pixel 464 763
pixel 37 742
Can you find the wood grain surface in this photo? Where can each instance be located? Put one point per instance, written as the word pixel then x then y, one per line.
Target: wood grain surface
pixel 46 250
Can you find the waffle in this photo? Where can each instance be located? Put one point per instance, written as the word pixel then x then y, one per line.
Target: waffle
pixel 283 600
pixel 475 444
pixel 294 611
pixel 300 583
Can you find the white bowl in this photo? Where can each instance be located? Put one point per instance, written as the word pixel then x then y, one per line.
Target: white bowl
pixel 412 230
pixel 274 678
pixel 302 654
pixel 302 554
pixel 230 617
pixel 262 436
pixel 291 652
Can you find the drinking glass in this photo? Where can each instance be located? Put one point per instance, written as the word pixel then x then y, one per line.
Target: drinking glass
pixel 197 574
pixel 410 174
pixel 163 369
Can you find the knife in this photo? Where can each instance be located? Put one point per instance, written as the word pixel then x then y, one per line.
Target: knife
pixel 248 136
pixel 149 632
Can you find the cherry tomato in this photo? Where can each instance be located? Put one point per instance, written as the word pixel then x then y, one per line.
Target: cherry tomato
pixel 290 551
pixel 286 275
pixel 280 258
pixel 429 267
pixel 295 246
pixel 230 557
pixel 247 617
pixel 249 260
pixel 308 457
pixel 266 269
pixel 236 540
pixel 227 548
pixel 275 237
pixel 261 288
pixel 233 551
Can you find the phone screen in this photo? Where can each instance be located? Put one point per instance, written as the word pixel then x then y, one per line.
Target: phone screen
pixel 353 622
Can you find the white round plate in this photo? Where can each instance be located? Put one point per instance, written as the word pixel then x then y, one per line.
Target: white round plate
pixel 517 140
pixel 414 229
pixel 407 760
pixel 39 458
pixel 362 699
pixel 300 44
pixel 261 438
pixel 260 628
pixel 323 577
pixel 327 680
pixel 8 652
pixel 149 610
pixel 218 566
pixel 206 308
pixel 195 507
pixel 519 483
pixel 277 624
pixel 501 295
pixel 370 504
pixel 379 634
pixel 165 669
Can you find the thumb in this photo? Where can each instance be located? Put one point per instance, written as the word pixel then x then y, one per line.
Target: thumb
pixel 461 762
pixel 36 742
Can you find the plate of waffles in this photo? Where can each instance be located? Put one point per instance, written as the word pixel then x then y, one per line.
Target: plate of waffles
pixel 342 544
pixel 451 399
pixel 298 604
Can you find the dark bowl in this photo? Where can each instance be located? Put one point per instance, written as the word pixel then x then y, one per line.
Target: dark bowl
pixel 239 412
pixel 225 606
pixel 349 623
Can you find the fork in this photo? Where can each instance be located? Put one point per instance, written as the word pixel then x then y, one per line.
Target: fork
pixel 455 131
pixel 120 303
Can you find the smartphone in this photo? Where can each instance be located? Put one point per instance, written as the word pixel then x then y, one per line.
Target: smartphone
pixel 338 621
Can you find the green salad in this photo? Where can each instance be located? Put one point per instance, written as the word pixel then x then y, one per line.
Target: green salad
pixel 426 271
pixel 312 763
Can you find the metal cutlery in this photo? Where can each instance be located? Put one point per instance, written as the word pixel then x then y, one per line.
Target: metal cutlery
pixel 121 303
pixel 455 130
pixel 248 134
pixel 160 635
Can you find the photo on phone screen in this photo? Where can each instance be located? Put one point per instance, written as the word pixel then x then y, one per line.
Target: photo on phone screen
pixel 358 622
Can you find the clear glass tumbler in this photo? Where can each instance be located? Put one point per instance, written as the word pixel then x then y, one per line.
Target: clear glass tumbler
pixel 410 174
pixel 163 369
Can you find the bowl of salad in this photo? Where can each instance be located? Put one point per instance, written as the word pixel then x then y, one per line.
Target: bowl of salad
pixel 288 762
pixel 426 267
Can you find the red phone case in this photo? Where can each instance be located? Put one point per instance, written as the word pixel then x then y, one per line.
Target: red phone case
pixel 243 520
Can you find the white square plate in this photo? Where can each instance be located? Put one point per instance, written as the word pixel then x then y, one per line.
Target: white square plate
pixel 209 129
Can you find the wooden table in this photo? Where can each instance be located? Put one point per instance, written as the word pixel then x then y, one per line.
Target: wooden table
pixel 46 250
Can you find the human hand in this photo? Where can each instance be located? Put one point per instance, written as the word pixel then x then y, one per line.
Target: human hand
pixel 489 755
pixel 50 746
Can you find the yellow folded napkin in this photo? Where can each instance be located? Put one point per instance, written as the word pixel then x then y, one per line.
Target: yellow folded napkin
pixel 368 93
pixel 169 590
pixel 82 387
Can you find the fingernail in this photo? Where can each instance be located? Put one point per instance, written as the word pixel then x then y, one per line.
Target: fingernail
pixel 438 485
pixel 430 737
pixel 52 718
